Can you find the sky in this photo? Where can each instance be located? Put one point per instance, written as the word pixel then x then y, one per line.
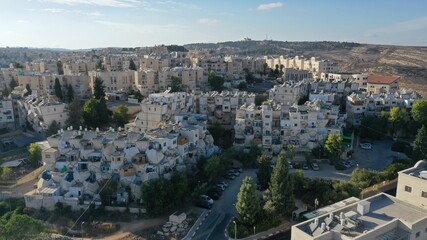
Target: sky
pixel 81 24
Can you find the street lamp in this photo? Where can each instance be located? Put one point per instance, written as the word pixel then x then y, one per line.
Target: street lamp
pixel 254 230
pixel 81 228
pixel 235 229
pixel 316 203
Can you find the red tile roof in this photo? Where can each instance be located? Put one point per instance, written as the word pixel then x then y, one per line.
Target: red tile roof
pixel 379 79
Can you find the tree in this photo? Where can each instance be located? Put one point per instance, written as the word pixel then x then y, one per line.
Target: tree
pixel 276 71
pixel 58 89
pixel 248 204
pixel 260 98
pixel 95 113
pixel 98 88
pixel 99 65
pixel 242 86
pixel 132 65
pixel 6 174
pixel 335 147
pixel 398 119
pixel 364 178
pixel 60 68
pixel 158 196
pixel 12 83
pixel 5 91
pixel 420 144
pixel 121 115
pixel 70 93
pixel 216 82
pixel 264 170
pixel 109 189
pixel 281 186
pixel 29 91
pixel 281 68
pixel 176 85
pixel 419 112
pixel 74 114
pixel 21 226
pixel 214 168
pixel 371 124
pixel 264 68
pixel 35 154
pixel 53 128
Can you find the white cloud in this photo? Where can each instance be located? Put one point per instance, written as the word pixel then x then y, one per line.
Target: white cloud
pixel 209 22
pixel 269 6
pixel 106 3
pixel 54 10
pixel 137 28
pixel 22 21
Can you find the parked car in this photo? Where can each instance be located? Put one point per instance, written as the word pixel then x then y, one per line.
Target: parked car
pixel 219 187
pixel 223 183
pixel 351 163
pixel 235 173
pixel 230 176
pixel 297 165
pixel 366 146
pixel 315 166
pixel 214 193
pixel 204 201
pixel 238 169
pixel 345 164
pixel 305 166
pixel 290 165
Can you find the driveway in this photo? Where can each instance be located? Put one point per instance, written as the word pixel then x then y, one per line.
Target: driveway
pixel 223 210
pixel 327 171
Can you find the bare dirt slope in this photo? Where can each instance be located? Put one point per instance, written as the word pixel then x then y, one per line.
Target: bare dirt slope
pixel 410 63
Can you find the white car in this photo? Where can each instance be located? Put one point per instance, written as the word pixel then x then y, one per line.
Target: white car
pixel 206 198
pixel 366 146
pixel 223 183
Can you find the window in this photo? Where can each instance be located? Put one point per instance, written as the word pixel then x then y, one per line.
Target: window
pixel 408 189
pixel 424 194
pixel 417 234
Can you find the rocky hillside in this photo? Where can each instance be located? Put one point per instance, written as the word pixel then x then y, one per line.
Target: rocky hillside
pixel 410 63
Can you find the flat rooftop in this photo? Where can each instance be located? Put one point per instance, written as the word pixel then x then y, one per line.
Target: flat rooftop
pixel 416 170
pixel 363 216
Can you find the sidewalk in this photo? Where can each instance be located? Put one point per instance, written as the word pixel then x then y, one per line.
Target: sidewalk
pixel 273 231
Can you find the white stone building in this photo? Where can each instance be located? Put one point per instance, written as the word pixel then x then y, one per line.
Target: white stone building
pixel 79 162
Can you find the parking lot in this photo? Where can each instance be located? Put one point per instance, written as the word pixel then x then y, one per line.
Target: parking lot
pixel 378 157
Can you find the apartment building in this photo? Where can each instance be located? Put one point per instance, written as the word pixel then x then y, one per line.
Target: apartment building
pixel 149 81
pixel 7 116
pixel 158 109
pixel 73 68
pixel 221 107
pixel 289 92
pixel 217 64
pixel 254 65
pixel 341 87
pixel 113 80
pixel 272 126
pixel 379 217
pixel 154 62
pixel 292 74
pixel 315 66
pixel 79 162
pixel 41 111
pixel 359 105
pixel 383 84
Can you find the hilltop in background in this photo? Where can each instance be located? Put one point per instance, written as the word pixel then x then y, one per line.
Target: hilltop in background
pixel 410 63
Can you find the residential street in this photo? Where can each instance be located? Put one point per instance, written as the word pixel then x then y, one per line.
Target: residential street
pixel 223 210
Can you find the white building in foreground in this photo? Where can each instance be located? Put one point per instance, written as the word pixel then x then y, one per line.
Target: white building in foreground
pixel 381 217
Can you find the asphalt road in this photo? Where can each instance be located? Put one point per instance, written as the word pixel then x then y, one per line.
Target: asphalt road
pixel 223 210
